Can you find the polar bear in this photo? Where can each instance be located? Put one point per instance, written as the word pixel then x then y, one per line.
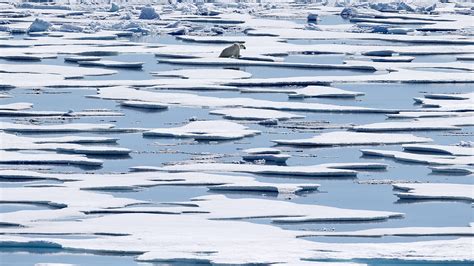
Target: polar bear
pixel 232 51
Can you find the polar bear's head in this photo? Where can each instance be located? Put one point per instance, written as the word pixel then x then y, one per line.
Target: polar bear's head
pixel 242 46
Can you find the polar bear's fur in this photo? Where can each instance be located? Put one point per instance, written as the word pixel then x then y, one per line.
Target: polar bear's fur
pixel 232 51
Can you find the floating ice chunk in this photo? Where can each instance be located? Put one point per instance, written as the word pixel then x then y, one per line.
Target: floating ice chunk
pixel 55 113
pixel 75 139
pixel 65 203
pixel 448 102
pixel 145 105
pixel 8 157
pixel 185 99
pixel 404 231
pixel 266 187
pixel 203 73
pixel 437 250
pixel 453 170
pixel 425 124
pixel 148 12
pixel 356 166
pixel 254 114
pixel 98 150
pixel 310 91
pixel 312 170
pixel 221 207
pixel 205 130
pixel 438 191
pixel 447 96
pixel 429 114
pixel 223 242
pixel 68 144
pixel 76 127
pixel 66 71
pixel 342 138
pixel 39 25
pixel 141 180
pixel 420 158
pixel 112 64
pixel 15 106
pixel 243 62
pixel 262 151
pixel 443 149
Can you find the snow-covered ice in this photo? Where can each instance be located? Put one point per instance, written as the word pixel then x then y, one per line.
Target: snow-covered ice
pixel 438 191
pixel 205 130
pixel 342 138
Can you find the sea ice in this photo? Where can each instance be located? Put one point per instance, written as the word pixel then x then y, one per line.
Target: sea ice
pixel 342 138
pixel 436 191
pixel 205 130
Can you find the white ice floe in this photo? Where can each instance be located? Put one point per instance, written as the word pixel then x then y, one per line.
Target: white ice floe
pixel 204 73
pixel 448 102
pixel 72 127
pixel 9 157
pixel 408 76
pixel 428 114
pixel 218 242
pixel 440 149
pixel 221 207
pixel 343 138
pixel 254 114
pixel 230 62
pixel 221 242
pixel 308 92
pixel 312 170
pixel 12 142
pixel 143 104
pixel 188 99
pixel 404 231
pixel 58 113
pixel 111 64
pixel 421 158
pixel 421 124
pixel 266 187
pixel 63 203
pixel 15 106
pixel 453 170
pixel 436 191
pixel 142 180
pixel 262 151
pixel 65 71
pixel 205 130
